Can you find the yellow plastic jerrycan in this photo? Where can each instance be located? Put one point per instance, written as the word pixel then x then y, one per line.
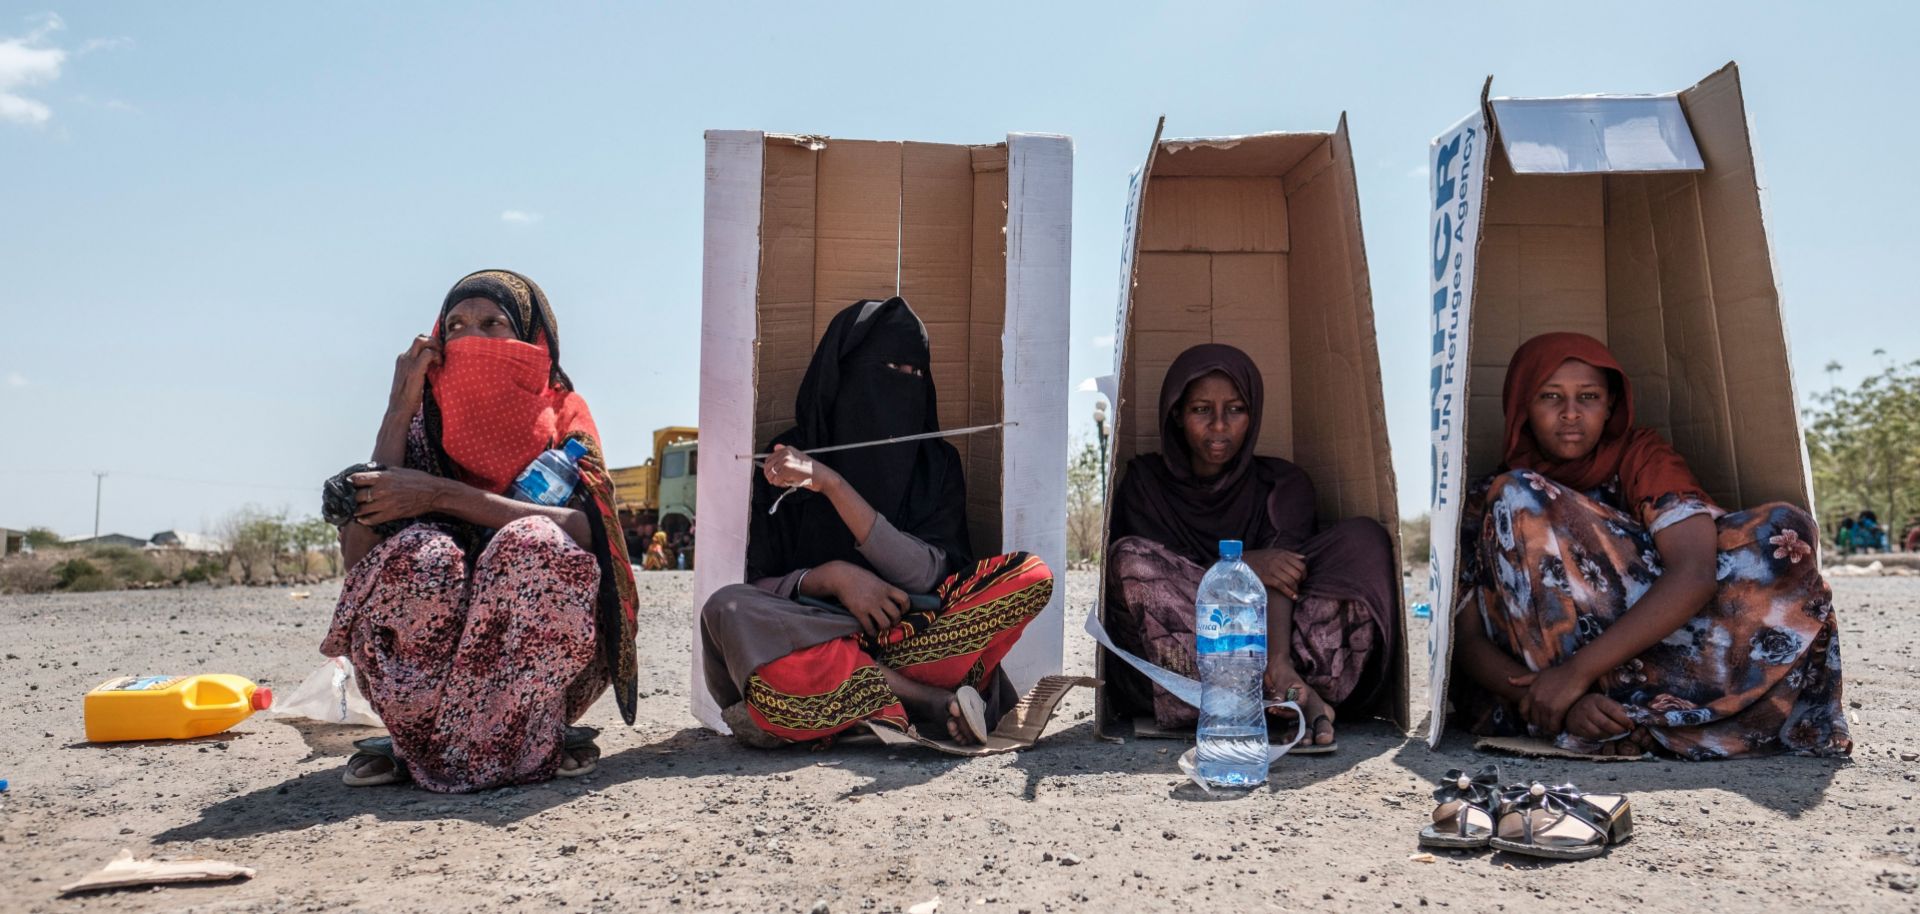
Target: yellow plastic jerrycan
pixel 171 707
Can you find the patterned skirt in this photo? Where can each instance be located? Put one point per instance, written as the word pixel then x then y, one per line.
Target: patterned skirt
pixel 1150 613
pixel 818 691
pixel 1757 671
pixel 476 675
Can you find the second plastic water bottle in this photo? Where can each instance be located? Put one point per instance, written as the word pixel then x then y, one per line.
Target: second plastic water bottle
pixel 1230 635
pixel 550 479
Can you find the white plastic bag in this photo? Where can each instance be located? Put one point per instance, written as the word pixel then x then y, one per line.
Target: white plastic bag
pixel 329 694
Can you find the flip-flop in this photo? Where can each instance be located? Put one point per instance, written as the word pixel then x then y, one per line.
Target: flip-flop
pixel 375 747
pixel 973 712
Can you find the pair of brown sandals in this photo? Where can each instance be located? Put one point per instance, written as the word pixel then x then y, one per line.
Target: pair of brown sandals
pixel 1476 810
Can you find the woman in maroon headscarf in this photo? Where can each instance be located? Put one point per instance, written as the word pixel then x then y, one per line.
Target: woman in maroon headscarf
pixel 1330 594
pixel 1606 602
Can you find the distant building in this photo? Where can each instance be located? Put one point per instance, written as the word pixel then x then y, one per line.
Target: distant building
pixel 106 539
pixel 187 542
pixel 12 542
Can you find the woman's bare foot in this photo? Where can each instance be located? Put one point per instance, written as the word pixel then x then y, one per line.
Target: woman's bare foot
pixel 1283 684
pixel 927 703
pixel 368 765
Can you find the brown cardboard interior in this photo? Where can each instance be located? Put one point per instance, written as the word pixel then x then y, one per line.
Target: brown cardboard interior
pixel 845 220
pixel 1255 241
pixel 1672 271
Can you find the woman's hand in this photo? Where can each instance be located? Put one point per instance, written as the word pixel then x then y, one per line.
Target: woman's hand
pixel 1280 677
pixel 1596 718
pixel 395 494
pixel 410 376
pixel 790 467
pixel 1279 569
pixel 1550 693
pixel 875 604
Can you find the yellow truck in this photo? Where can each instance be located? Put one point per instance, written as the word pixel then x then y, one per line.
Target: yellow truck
pixel 659 494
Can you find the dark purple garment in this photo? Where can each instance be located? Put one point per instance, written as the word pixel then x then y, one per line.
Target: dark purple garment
pixel 1264 502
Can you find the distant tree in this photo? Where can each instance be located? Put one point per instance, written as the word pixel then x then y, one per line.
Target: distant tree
pixel 1865 446
pixel 256 538
pixel 41 538
pixel 316 535
pixel 1086 503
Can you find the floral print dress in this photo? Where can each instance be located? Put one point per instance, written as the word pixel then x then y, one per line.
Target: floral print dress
pixel 1547 570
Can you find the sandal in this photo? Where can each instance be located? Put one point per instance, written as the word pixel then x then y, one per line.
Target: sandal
pixel 1561 823
pixel 973 713
pixel 579 740
pixel 1466 808
pixel 370 749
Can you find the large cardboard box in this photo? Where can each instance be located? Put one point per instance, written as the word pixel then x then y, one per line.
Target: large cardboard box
pixel 1255 241
pixel 977 239
pixel 1637 220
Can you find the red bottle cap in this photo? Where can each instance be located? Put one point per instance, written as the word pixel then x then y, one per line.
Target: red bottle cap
pixel 262 698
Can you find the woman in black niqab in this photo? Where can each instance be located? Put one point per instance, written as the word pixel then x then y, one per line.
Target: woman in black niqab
pixel 828 634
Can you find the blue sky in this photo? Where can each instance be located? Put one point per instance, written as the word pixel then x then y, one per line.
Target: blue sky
pixel 219 223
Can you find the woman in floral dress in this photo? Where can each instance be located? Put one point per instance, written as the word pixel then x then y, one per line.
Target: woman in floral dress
pixel 1607 603
pixel 480 627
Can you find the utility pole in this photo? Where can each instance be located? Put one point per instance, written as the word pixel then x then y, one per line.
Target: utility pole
pixel 99 476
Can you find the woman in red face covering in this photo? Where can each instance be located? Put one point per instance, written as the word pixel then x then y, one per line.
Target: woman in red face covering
pixel 481 627
pixel 1607 603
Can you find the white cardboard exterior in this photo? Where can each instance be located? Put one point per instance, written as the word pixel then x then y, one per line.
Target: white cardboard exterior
pixel 1455 161
pixel 1035 342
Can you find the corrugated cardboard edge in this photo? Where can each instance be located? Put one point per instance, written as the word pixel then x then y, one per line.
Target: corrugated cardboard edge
pixel 728 293
pixel 1019 729
pixel 1034 347
pixel 1400 711
pixel 1539 748
pixel 1123 317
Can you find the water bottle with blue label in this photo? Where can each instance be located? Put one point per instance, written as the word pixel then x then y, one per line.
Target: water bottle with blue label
pixel 1230 633
pixel 550 478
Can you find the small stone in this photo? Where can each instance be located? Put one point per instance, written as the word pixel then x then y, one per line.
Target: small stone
pixel 1069 860
pixel 126 831
pixel 1046 857
pixel 1168 835
pixel 820 907
pixel 1910 756
pixel 761 831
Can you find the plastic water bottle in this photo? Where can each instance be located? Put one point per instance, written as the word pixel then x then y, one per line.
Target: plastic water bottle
pixel 1230 633
pixel 550 478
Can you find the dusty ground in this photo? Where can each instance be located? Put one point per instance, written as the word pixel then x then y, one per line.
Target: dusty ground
pixel 681 820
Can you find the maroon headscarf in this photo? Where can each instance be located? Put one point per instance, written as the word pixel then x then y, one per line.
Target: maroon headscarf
pixel 1264 502
pixel 1647 465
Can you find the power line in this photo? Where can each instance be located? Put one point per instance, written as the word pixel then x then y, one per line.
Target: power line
pixel 315 488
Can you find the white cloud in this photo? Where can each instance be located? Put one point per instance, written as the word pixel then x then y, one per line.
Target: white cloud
pixel 519 217
pixel 103 44
pixel 1104 341
pixel 26 61
pixel 16 379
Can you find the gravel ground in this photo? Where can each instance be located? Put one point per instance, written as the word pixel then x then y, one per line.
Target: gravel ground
pixel 678 819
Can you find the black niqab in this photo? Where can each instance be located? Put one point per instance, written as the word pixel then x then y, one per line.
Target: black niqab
pixel 855 391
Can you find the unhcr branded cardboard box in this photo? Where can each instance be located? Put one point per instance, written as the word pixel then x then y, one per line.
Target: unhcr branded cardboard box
pixel 1255 241
pixel 1637 220
pixel 977 239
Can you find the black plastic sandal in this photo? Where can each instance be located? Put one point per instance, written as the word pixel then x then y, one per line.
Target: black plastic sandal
pixel 1561 823
pixel 1464 811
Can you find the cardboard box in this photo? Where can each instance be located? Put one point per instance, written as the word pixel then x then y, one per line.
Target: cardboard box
pixel 1637 220
pixel 798 228
pixel 1255 241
